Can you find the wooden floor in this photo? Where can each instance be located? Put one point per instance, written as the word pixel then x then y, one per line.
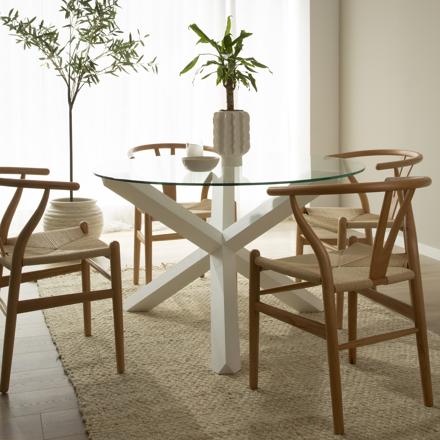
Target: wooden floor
pixel 42 404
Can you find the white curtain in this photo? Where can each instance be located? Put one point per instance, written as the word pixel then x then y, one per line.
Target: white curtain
pixel 142 108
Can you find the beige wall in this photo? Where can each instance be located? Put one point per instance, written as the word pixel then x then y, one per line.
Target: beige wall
pixel 324 76
pixel 324 81
pixel 390 88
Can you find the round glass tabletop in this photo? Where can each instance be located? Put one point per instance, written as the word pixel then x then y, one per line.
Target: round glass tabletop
pixel 170 170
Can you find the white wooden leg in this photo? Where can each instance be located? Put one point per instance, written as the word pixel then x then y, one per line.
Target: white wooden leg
pixel 221 244
pixel 255 223
pixel 169 283
pixel 225 337
pixel 225 340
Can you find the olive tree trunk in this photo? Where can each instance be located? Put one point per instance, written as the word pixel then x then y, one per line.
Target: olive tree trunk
pixel 71 147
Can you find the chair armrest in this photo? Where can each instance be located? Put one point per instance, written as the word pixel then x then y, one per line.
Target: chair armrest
pixel 39 184
pixel 24 170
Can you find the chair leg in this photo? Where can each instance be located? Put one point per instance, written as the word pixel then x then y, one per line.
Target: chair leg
pixel 136 246
pixel 340 309
pixel 205 220
pixel 333 361
pixel 299 241
pixel 254 320
pixel 352 324
pixel 416 291
pixel 115 267
pixel 148 248
pixel 10 326
pixel 341 244
pixel 299 245
pixel 87 309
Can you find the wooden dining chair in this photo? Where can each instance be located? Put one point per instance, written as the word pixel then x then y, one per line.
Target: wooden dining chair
pixel 335 225
pixel 60 252
pixel 357 269
pixel 200 208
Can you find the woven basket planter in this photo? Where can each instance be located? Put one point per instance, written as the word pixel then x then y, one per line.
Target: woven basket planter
pixel 63 213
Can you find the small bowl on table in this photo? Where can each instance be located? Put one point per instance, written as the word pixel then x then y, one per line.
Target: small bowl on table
pixel 200 163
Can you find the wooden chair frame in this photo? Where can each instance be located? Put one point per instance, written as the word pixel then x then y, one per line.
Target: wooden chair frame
pixel 381 253
pixel 401 168
pixel 14 305
pixel 147 238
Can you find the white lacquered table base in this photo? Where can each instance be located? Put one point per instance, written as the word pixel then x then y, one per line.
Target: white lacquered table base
pixel 221 250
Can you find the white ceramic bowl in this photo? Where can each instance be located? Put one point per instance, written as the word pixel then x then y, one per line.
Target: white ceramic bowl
pixel 200 163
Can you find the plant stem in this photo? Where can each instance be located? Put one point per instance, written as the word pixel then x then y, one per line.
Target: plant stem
pixel 229 95
pixel 70 147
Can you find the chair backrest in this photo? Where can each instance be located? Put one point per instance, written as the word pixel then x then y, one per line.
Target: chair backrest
pixel 401 162
pixel 383 245
pixel 9 212
pixel 170 148
pixel 19 185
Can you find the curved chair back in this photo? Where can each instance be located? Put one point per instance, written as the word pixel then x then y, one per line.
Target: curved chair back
pixel 402 164
pixel 169 190
pixel 403 158
pixel 9 212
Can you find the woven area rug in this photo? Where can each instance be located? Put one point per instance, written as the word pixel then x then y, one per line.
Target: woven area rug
pixel 169 392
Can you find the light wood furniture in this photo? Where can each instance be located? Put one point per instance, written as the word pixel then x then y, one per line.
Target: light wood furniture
pixel 335 225
pixel 201 209
pixel 358 269
pixel 61 251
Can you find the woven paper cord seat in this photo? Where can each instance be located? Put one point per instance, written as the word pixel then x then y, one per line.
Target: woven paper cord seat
pixel 202 209
pixel 57 246
pixel 350 267
pixel 327 218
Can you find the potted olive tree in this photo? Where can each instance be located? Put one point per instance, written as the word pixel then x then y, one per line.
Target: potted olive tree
pixel 231 126
pixel 87 47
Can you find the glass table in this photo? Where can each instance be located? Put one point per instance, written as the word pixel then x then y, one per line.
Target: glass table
pixel 221 241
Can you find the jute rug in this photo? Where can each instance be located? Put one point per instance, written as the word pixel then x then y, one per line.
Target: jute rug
pixel 169 392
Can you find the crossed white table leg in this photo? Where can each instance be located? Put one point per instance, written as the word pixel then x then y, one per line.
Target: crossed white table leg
pixel 221 250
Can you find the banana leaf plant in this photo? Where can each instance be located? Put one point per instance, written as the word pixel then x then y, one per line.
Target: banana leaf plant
pixel 227 63
pixel 87 47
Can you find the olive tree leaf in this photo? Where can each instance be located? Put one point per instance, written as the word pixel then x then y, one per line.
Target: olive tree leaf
pixel 94 46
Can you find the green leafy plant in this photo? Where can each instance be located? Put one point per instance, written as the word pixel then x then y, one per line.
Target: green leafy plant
pixel 89 46
pixel 228 64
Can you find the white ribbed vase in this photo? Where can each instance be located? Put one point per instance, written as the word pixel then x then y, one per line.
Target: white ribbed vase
pixel 63 213
pixel 231 136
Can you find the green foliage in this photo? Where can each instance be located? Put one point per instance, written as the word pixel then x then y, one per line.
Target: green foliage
pixel 227 63
pixel 94 45
pixel 89 46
